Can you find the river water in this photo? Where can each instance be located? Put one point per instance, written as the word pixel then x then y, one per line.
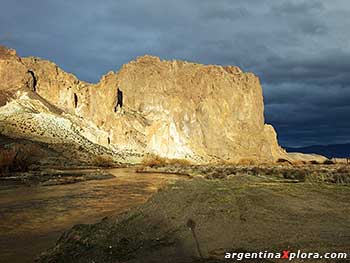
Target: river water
pixel 32 218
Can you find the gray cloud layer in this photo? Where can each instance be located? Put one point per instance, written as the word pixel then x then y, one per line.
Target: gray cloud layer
pixel 299 48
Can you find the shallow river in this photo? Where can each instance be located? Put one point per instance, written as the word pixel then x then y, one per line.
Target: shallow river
pixel 32 218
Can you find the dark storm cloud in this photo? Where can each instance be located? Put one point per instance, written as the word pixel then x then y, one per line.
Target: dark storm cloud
pixel 298 8
pixel 312 27
pixel 299 48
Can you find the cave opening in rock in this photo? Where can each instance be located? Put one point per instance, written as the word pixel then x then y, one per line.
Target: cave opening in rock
pixel 75 100
pixel 119 100
pixel 34 83
pixel 109 140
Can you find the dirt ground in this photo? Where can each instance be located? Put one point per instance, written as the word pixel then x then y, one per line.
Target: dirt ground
pixel 199 220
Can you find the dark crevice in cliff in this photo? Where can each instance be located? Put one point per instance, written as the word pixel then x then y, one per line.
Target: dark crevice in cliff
pixel 119 100
pixel 35 81
pixel 75 100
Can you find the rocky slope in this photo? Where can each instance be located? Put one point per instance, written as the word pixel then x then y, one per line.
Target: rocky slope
pixel 174 109
pixel 49 135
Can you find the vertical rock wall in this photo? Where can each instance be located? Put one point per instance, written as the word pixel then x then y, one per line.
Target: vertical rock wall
pixel 175 109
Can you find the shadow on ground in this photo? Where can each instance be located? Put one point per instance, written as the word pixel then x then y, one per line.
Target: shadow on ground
pixel 199 220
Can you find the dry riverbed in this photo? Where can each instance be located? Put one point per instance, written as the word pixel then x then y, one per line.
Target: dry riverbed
pixel 33 218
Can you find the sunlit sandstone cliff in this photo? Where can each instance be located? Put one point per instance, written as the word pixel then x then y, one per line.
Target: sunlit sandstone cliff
pixel 174 109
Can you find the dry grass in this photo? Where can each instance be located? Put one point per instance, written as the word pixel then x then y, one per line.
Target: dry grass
pixel 104 161
pixel 326 174
pixel 19 157
pixel 153 160
pixel 7 159
pixel 242 161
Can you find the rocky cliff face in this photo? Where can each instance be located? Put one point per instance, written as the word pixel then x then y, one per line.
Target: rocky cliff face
pixel 174 109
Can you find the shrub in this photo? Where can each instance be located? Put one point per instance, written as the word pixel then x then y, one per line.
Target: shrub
pixel 281 160
pixel 335 176
pixel 153 160
pixel 343 170
pixel 328 162
pixel 181 162
pixel 27 154
pixel 104 161
pixel 295 174
pixel 19 157
pixel 7 159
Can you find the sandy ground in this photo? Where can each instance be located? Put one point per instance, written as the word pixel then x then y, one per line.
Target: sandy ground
pixel 199 220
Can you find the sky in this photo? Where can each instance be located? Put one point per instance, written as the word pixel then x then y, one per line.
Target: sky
pixel 300 49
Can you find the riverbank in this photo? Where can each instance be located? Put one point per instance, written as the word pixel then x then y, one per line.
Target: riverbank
pixel 241 212
pixel 49 177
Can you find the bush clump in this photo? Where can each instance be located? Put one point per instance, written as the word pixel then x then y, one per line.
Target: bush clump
pixel 7 159
pixel 281 160
pixel 104 161
pixel 328 161
pixel 153 160
pixel 18 157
